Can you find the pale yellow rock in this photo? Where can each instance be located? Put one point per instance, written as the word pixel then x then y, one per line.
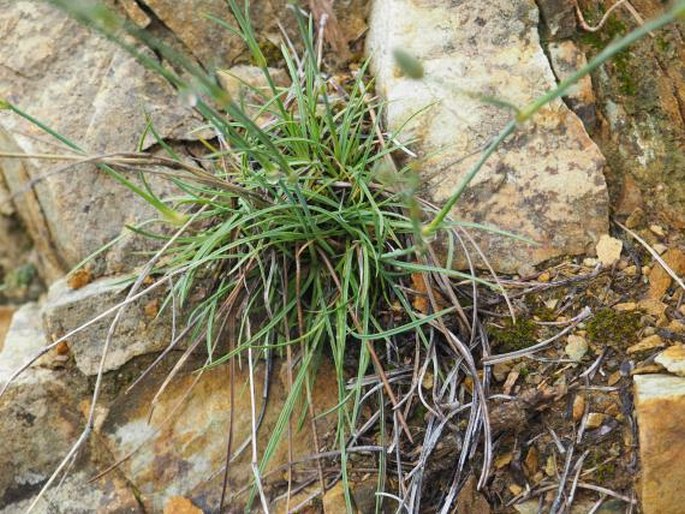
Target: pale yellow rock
pixel 648 343
pixel 608 250
pixel 657 230
pixel 594 420
pixel 625 307
pixel 576 347
pixel 673 359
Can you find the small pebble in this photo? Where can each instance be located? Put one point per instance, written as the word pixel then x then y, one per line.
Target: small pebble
pixel 578 407
pixel 590 262
pixel 625 307
pixel 635 218
pixel 614 378
pixel 657 230
pixel 544 277
pixel 660 248
pixel 608 249
pixel 576 347
pixel 648 343
pixel 594 420
pixel 630 271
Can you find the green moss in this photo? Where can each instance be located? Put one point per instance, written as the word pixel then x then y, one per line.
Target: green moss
pixel 514 336
pixel 612 328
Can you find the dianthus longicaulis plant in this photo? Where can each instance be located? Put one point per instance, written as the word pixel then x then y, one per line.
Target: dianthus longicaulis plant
pixel 299 238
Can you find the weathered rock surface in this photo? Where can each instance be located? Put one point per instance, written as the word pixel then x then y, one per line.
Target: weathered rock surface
pixel 40 422
pixel 640 97
pixel 183 450
pixel 566 59
pixel 77 496
pixel 544 183
pixel 214 45
pixel 660 405
pixel 140 329
pixel 95 94
pixel 24 338
pixel 673 359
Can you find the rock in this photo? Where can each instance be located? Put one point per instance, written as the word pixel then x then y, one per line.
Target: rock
pixel 652 306
pixel 6 313
pixel 214 45
pixel 77 496
pixel 139 331
pixel 24 338
pixel 248 86
pixel 334 500
pixel 639 97
pixel 546 182
pixel 566 59
pixel 647 343
pixel 578 409
pixel 470 500
pixel 526 507
pixel 180 505
pixel 40 422
pixel 630 202
pixel 659 279
pixel 594 420
pixel 102 110
pixel 673 359
pixel 185 447
pixel 660 407
pixel 559 17
pixel 635 218
pixel 576 347
pixel 625 307
pixel 608 249
pixel 657 230
pixel 135 13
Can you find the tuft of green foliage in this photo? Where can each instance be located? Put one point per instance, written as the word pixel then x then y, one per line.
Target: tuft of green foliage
pixel 299 237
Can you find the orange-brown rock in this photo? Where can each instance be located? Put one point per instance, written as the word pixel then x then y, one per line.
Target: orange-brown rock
pixel 660 406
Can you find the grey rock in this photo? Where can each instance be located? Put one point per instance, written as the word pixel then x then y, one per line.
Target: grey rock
pixel 95 94
pixel 40 422
pixel 77 496
pixel 566 59
pixel 559 18
pixel 545 182
pixel 25 338
pixel 139 331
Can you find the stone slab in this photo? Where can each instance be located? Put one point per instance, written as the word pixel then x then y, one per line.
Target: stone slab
pixel 545 182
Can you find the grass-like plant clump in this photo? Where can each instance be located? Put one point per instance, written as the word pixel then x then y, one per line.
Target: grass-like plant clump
pixel 297 236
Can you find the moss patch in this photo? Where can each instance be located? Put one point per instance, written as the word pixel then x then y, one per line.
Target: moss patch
pixel 514 336
pixel 612 328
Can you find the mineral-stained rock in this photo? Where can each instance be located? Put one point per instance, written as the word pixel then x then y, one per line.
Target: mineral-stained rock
pixel 566 59
pixel 660 405
pixel 90 91
pixel 24 338
pixel 182 450
pixel 673 359
pixel 544 183
pixel 559 17
pixel 214 45
pixel 40 422
pixel 139 331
